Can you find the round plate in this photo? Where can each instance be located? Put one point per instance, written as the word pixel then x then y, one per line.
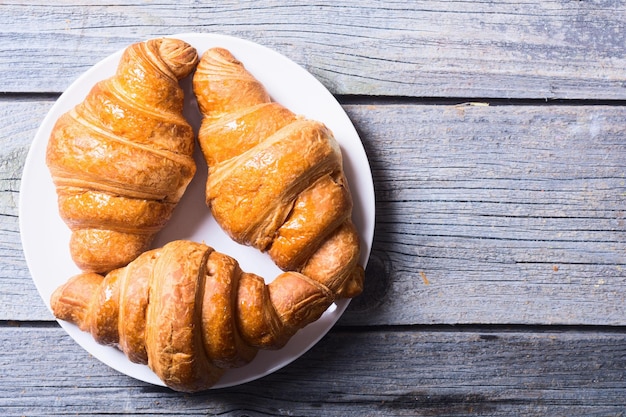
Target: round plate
pixel 45 237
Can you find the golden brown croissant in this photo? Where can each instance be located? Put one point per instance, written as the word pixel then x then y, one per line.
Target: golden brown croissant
pixel 122 158
pixel 189 312
pixel 276 180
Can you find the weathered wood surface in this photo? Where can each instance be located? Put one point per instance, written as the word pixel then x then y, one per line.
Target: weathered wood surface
pixel 505 49
pixel 479 208
pixel 363 373
pixel 509 214
pixel 497 278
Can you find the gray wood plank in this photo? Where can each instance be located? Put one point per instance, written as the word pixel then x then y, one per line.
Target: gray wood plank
pixel 485 214
pixel 508 214
pixel 20 300
pixel 543 49
pixel 380 373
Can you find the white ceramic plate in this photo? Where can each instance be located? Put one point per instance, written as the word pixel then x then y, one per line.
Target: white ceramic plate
pixel 45 237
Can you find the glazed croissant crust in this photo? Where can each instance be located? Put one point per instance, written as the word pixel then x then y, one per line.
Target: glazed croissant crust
pixel 122 158
pixel 190 312
pixel 276 180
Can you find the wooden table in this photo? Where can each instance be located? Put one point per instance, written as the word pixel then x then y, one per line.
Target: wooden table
pixel 496 135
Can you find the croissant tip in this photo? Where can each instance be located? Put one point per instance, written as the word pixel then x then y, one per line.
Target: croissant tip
pixel 179 56
pixel 223 54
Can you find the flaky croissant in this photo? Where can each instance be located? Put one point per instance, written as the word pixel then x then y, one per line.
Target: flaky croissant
pixel 122 158
pixel 276 180
pixel 189 312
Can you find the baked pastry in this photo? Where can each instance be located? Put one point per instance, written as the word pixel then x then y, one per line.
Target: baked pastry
pixel 189 312
pixel 275 180
pixel 122 158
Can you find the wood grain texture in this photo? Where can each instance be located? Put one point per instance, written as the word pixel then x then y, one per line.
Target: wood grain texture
pixel 389 372
pixel 21 118
pixel 508 214
pixel 505 49
pixel 485 214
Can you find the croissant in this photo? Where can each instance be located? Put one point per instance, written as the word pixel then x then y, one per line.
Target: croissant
pixel 122 158
pixel 189 312
pixel 275 179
